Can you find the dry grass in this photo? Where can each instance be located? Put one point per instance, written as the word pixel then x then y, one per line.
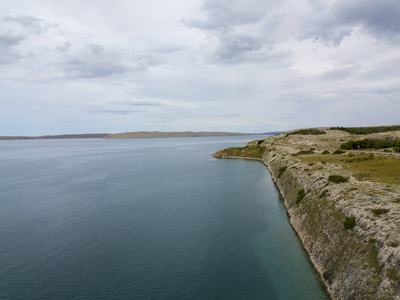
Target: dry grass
pixel 384 169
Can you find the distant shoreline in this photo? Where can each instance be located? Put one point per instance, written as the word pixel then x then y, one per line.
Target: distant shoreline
pixel 132 135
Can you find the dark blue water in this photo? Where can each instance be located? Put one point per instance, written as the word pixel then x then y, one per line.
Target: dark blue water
pixel 144 219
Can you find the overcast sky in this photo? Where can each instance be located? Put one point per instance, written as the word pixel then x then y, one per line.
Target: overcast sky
pixel 214 65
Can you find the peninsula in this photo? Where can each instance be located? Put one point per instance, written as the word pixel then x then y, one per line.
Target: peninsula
pixel 341 188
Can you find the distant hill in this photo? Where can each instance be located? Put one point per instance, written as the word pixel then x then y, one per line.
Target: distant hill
pixel 134 135
pixel 62 136
pixel 159 134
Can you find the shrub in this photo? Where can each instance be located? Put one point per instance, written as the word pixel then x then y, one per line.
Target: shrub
pixel 371 144
pixel 300 195
pixel 305 152
pixel 367 130
pixel 392 274
pixel 326 152
pixel 349 223
pixel 338 152
pixel 306 131
pixel 337 179
pixel 393 244
pixel 260 142
pixel 281 171
pixel 371 240
pixel 380 211
pixel 323 194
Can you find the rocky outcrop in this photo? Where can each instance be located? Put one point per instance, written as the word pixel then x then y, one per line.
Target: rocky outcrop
pixel 355 251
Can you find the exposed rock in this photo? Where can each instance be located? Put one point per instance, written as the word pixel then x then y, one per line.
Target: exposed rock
pixel 358 263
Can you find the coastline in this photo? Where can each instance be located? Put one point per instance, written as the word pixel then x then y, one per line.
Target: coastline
pixel 358 263
pixel 273 177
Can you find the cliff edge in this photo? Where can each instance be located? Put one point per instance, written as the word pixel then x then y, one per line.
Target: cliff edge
pixel 344 205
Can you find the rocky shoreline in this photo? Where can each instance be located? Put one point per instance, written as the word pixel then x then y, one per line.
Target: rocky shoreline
pixel 348 223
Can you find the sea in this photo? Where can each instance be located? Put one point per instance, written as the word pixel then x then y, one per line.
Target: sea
pixel 145 219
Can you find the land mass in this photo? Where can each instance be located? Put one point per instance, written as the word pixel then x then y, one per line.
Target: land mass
pixel 132 135
pixel 341 189
pixel 160 134
pixel 62 136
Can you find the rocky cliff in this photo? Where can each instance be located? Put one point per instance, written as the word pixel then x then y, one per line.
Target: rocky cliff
pixel 348 220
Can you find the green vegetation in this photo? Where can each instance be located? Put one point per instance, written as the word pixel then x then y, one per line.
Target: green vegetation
pixel 338 152
pixel 326 152
pixel 349 223
pixel 323 194
pixel 384 169
pixel 300 195
pixel 392 274
pixel 359 159
pixel 371 240
pixel 306 132
pixel 380 211
pixel 371 144
pixel 255 151
pixel 372 256
pixel 337 179
pixel 393 244
pixel 305 152
pixel 367 130
pixel 281 171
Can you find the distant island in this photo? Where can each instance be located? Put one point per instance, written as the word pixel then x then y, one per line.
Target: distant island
pixel 133 135
pixel 160 134
pixel 53 137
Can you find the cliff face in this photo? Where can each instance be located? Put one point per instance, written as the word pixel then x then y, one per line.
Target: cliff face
pixel 355 250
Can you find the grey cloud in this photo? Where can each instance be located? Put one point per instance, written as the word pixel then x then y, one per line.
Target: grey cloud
pixel 98 61
pixel 134 103
pixel 95 48
pixel 340 73
pixel 30 24
pixel 64 46
pixel 90 69
pixel 378 18
pixel 222 15
pixel 7 47
pixel 117 111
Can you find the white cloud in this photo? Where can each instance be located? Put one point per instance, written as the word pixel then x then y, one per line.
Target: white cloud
pixel 202 64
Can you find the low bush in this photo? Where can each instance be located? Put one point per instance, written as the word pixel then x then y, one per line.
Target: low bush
pixel 367 130
pixel 281 171
pixel 392 274
pixel 307 132
pixel 300 195
pixel 338 179
pixel 338 152
pixel 380 211
pixel 326 152
pixel 305 152
pixel 323 194
pixel 349 223
pixel 371 144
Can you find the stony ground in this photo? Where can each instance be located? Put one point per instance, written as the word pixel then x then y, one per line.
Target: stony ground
pixel 371 194
pixel 362 262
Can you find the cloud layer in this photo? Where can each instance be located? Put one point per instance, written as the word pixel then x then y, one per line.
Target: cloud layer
pixel 254 65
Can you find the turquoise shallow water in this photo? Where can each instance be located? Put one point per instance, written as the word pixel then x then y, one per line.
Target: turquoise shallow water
pixel 144 219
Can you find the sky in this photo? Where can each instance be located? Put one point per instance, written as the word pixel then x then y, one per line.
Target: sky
pixel 197 65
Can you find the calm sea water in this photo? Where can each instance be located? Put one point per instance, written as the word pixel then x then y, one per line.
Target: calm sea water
pixel 144 219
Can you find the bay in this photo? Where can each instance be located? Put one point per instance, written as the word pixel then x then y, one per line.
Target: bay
pixel 144 219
